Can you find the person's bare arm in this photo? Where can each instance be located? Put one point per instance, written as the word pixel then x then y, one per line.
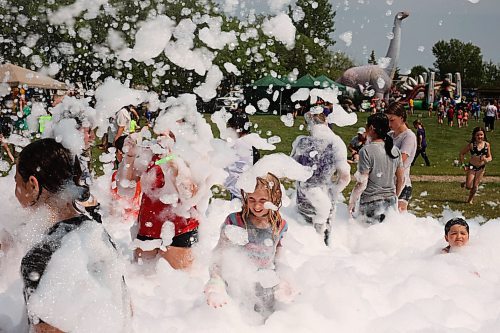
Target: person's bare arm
pixel 400 180
pixel 362 182
pixel 489 157
pixel 464 151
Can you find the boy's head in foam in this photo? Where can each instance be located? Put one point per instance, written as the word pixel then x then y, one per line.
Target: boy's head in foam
pixel 456 232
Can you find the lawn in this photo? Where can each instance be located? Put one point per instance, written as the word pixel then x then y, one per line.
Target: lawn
pixel 444 144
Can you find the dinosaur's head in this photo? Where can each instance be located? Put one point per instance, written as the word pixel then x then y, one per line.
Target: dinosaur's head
pixel 402 15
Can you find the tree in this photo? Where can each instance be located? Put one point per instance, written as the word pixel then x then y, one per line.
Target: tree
pixel 338 63
pixel 455 56
pixel 318 20
pixel 372 60
pixel 491 75
pixel 418 70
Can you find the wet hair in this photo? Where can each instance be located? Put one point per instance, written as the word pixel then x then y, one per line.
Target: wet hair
pixel 52 165
pixel 474 132
pixel 380 124
pixel 455 221
pixel 271 184
pixel 397 109
pixel 237 122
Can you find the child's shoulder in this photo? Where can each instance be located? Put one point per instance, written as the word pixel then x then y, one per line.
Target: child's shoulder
pixel 235 219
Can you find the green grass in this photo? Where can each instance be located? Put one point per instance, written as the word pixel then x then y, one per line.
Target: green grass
pixel 444 143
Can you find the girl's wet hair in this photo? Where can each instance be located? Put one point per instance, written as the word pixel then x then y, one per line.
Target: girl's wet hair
pixel 53 166
pixel 474 132
pixel 397 109
pixel 272 185
pixel 455 221
pixel 380 124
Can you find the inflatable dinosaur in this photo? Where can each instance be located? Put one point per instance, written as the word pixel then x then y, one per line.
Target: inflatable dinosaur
pixel 377 78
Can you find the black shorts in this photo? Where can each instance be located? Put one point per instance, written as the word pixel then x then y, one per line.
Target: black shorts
pixel 476 168
pixel 405 194
pixel 187 239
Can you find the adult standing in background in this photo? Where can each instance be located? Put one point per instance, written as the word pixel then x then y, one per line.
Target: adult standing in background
pixel 490 116
pixel 356 144
pixel 406 141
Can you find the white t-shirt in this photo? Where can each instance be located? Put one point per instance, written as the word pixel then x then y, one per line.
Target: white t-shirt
pixel 406 142
pixel 123 120
pixel 491 111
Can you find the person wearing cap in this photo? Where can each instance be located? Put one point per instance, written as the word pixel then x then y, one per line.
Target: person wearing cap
pixel 456 233
pixel 356 144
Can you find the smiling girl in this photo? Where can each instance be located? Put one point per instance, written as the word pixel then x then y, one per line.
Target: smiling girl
pixel 480 154
pixel 256 233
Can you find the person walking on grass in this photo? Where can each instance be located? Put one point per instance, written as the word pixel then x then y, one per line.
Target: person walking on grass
pixel 421 142
pixel 480 154
pixel 490 116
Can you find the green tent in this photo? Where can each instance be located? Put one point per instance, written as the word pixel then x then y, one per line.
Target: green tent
pixel 268 80
pixel 326 82
pixel 307 81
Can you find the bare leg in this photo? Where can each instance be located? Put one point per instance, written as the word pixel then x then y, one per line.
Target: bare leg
pixel 178 257
pixel 469 179
pixel 475 185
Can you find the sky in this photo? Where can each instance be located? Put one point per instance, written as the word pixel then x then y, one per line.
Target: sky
pixel 370 21
pixel 476 21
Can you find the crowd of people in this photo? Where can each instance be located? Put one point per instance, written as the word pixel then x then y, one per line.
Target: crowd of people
pixel 158 190
pixel 460 113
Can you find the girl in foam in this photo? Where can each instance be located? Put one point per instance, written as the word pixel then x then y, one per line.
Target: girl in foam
pixel 74 250
pixel 326 153
pixel 456 233
pixel 379 163
pixel 167 221
pixel 244 260
pixel 480 154
pixel 406 141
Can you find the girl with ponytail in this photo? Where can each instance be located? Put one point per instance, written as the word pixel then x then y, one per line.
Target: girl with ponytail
pixel 379 163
